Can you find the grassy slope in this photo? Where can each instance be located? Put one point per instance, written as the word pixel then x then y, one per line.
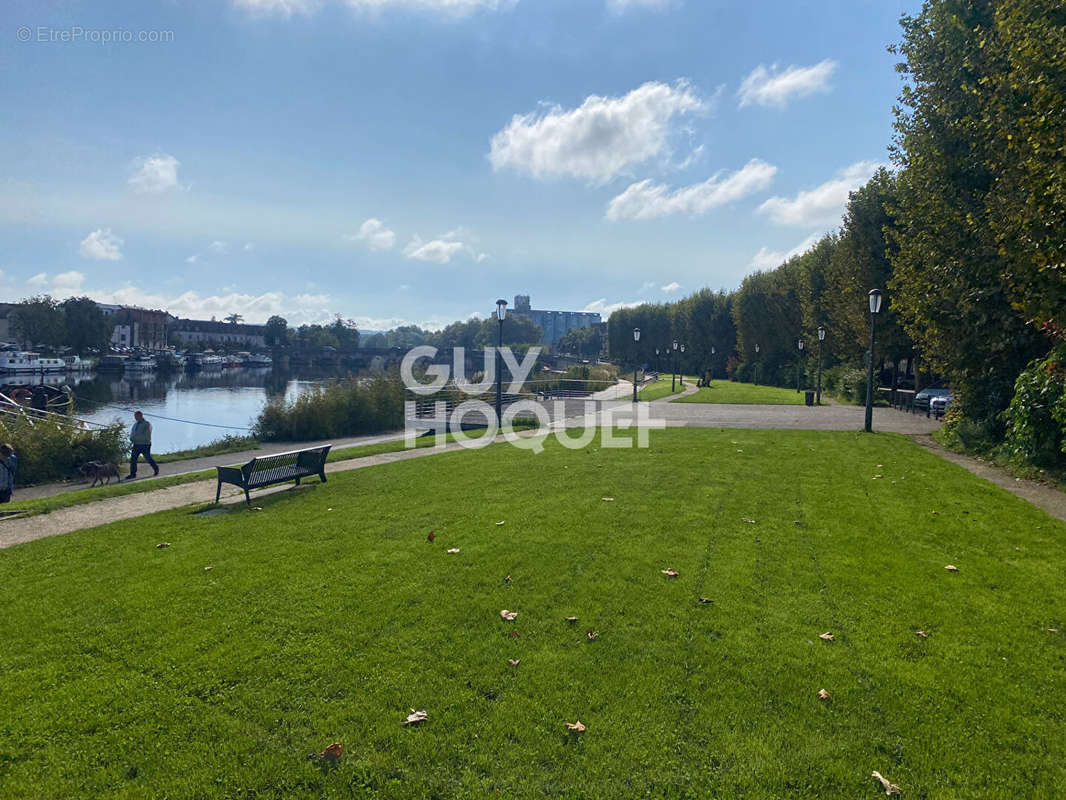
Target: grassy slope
pixel 131 672
pixel 661 388
pixel 744 393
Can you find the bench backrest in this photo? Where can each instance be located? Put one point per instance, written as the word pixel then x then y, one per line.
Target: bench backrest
pixel 279 466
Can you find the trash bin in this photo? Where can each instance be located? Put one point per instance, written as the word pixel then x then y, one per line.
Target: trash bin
pixel 810 398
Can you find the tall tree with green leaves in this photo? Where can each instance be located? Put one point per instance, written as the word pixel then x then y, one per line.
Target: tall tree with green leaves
pixel 86 327
pixel 38 321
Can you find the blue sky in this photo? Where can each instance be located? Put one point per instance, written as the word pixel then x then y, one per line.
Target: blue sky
pixel 412 160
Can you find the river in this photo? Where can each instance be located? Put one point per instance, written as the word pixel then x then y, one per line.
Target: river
pixel 187 409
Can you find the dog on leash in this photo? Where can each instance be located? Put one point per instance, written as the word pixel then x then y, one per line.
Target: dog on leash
pixel 99 472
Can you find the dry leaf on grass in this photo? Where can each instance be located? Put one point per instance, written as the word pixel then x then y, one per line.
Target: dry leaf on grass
pixel 591 634
pixel 921 634
pixel 514 662
pixel 415 717
pixel 208 569
pixel 670 572
pixel 827 637
pixel 705 600
pixel 161 545
pixel 333 752
pixel 608 499
pixel 454 550
pixel 824 695
pixel 748 520
pixel 514 634
pixel 508 615
pixel 502 522
pixel 507 579
pixel 951 568
pixel 571 620
pixel 432 537
pixel 575 727
pixel 1052 630
pixel 890 788
pixel 329 509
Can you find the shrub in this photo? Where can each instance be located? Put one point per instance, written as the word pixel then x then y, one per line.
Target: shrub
pixel 1036 416
pixel 845 381
pixel 346 407
pixel 54 449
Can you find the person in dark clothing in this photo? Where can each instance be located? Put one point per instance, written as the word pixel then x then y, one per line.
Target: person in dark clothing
pixel 9 465
pixel 141 438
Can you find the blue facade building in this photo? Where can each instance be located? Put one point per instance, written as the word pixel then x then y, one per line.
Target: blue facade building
pixel 555 324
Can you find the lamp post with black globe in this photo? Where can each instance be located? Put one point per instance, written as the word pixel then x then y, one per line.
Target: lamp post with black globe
pixel 756 363
pixel 636 338
pixel 821 338
pixel 673 372
pixel 501 315
pixel 875 308
pixel 799 363
pixel 680 367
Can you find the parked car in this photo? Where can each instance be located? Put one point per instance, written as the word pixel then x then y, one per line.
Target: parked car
pixel 922 399
pixel 939 404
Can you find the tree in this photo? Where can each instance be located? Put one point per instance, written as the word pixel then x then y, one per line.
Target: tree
pixel 275 331
pixel 85 325
pixel 38 321
pixel 346 333
pixel 233 319
pixel 517 330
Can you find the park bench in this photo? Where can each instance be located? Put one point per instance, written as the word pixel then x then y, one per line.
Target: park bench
pixel 277 468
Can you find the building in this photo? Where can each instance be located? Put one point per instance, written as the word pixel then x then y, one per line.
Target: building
pixel 137 327
pixel 206 333
pixel 555 324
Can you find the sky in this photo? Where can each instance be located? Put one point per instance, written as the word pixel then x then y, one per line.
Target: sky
pixel 410 161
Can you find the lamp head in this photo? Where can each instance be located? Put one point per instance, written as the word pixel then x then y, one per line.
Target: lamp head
pixel 636 334
pixel 875 301
pixel 821 333
pixel 675 344
pixel 501 310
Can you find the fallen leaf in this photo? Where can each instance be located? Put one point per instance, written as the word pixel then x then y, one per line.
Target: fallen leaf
pixel 877 476
pixel 827 637
pixel 501 522
pixel 705 600
pixel 454 550
pixel 591 634
pixel 329 509
pixel 508 615
pixel 432 537
pixel 576 727
pixel 608 499
pixel 208 569
pixel 748 520
pixel 333 752
pixel 257 508
pixel 507 579
pixel 890 788
pixel 571 620
pixel 921 634
pixel 935 513
pixel 951 568
pixel 1052 630
pixel 514 662
pixel 514 634
pixel 824 695
pixel 670 572
pixel 880 465
pixel 415 717
pixel 161 545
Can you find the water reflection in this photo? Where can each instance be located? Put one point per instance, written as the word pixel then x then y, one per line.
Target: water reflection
pixel 187 409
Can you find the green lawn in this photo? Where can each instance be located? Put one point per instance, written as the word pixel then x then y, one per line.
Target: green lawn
pixel 131 672
pixel 661 388
pixel 744 393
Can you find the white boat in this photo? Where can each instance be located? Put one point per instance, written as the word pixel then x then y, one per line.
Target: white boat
pixel 51 365
pixel 140 364
pixel 259 360
pixel 75 364
pixel 25 362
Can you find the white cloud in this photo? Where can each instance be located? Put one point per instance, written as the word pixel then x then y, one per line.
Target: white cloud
pixel 155 173
pixel 770 87
pixel 602 308
pixel 101 245
pixel 673 286
pixel 286 8
pixel 218 247
pixel 193 259
pixel 621 6
pixel 648 200
pixel 38 281
pixel 67 283
pixel 375 234
pixel 249 246
pixel 771 259
pixel 438 251
pixel 597 140
pixel 822 205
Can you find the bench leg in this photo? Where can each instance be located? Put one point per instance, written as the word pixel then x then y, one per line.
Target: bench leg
pixel 322 474
pixel 247 497
pixel 218 492
pixel 297 481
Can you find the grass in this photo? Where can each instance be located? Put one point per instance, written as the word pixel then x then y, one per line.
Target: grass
pixel 661 388
pixel 130 671
pixel 227 444
pixel 745 394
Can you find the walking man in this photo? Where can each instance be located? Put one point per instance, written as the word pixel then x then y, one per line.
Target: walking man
pixel 141 437
pixel 9 465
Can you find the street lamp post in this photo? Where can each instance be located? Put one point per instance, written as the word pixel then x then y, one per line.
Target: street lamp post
pixel 501 315
pixel 799 363
pixel 681 378
pixel 673 372
pixel 657 364
pixel 756 363
pixel 636 338
pixel 713 351
pixel 821 338
pixel 875 308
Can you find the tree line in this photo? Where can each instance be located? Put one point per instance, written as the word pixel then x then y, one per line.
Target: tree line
pixel 966 237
